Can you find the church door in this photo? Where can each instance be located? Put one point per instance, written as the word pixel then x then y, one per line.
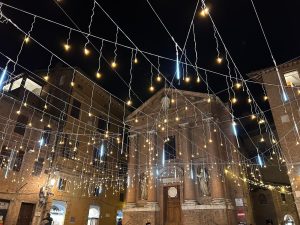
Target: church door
pixel 172 208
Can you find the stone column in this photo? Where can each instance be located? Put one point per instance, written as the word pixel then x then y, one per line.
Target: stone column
pixel 217 186
pixel 132 175
pixel 152 191
pixel 188 186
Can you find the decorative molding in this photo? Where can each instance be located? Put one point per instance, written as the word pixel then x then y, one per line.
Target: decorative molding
pixel 149 207
pixel 201 207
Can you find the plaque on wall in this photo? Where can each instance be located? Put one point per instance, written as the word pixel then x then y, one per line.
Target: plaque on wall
pixel 239 202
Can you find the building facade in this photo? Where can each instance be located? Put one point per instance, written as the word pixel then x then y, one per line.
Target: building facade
pixel 177 158
pixel 283 96
pixel 60 135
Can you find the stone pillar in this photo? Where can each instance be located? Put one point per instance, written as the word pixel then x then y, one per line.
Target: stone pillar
pixel 152 190
pixel 188 186
pixel 217 186
pixel 132 175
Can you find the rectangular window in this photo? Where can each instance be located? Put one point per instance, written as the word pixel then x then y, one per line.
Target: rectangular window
pixel 18 161
pixel 292 78
pixel 16 84
pixel 122 197
pixel 101 125
pixel 46 135
pixel 4 156
pixel 170 148
pixel 21 124
pixel 62 184
pixel 68 147
pixel 33 87
pixel 283 199
pixel 75 110
pixel 97 191
pixel 38 167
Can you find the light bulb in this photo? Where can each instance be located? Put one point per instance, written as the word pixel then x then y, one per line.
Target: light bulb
pixel 136 120
pixel 30 124
pixel 19 112
pixel 265 98
pixel 98 75
pixel 158 78
pixel 249 100
pixel 46 78
pixel 234 100
pixel 72 83
pixel 198 79
pixel 253 116
pixel 209 100
pixel 204 12
pixel 129 102
pixel 26 40
pixel 151 88
pixel 262 139
pixel 172 100
pixel 187 79
pixel 219 60
pixel 113 64
pixel 135 60
pixel 25 104
pixel 261 121
pixel 177 118
pixel 238 85
pixel 67 47
pixel 86 51
pixel 90 114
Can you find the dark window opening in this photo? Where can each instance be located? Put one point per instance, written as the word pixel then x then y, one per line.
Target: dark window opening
pixel 21 124
pixel 170 148
pixel 97 191
pixel 122 197
pixel 102 125
pixel 38 167
pixel 75 110
pixel 18 161
pixel 4 156
pixel 283 198
pixel 70 147
pixel 46 135
pixel 62 184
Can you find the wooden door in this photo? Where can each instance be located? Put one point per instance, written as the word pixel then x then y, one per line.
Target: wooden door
pixel 25 214
pixel 172 208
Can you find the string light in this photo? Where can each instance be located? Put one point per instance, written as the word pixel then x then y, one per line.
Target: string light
pixel 46 78
pixel 265 98
pixel 158 78
pixel 113 64
pixel 249 100
pixel 198 79
pixel 129 102
pixel 219 60
pixel 187 79
pixel 86 51
pixel 67 47
pixel 204 12
pixel 234 100
pixel 26 39
pixel 238 85
pixel 253 116
pixel 151 88
pixel 98 75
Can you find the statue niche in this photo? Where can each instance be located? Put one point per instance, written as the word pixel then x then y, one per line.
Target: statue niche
pixel 203 179
pixel 144 187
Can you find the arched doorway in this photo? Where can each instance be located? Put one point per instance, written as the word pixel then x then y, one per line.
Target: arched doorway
pixel 288 220
pixel 58 212
pixel 94 215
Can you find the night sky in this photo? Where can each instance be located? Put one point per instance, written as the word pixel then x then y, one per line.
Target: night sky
pixel 235 20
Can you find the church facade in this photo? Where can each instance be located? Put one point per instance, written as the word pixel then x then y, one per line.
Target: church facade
pixel 181 152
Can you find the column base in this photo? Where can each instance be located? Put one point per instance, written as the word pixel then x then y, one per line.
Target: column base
pixel 130 205
pixel 218 201
pixel 189 202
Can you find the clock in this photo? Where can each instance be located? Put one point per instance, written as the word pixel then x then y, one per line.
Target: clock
pixel 172 192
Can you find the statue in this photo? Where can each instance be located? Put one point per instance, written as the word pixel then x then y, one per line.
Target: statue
pixel 203 182
pixel 165 103
pixel 144 187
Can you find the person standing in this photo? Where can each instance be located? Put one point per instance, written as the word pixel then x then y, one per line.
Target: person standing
pixel 48 219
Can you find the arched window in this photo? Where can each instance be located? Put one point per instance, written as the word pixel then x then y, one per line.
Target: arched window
pixel 288 220
pixel 94 215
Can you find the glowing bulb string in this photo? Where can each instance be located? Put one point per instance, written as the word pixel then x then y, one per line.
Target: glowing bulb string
pixel 35 40
pixel 116 46
pixel 145 52
pixel 283 92
pixel 196 52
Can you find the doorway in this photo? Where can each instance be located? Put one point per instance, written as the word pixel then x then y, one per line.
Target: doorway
pixel 172 207
pixel 26 214
pixel 58 212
